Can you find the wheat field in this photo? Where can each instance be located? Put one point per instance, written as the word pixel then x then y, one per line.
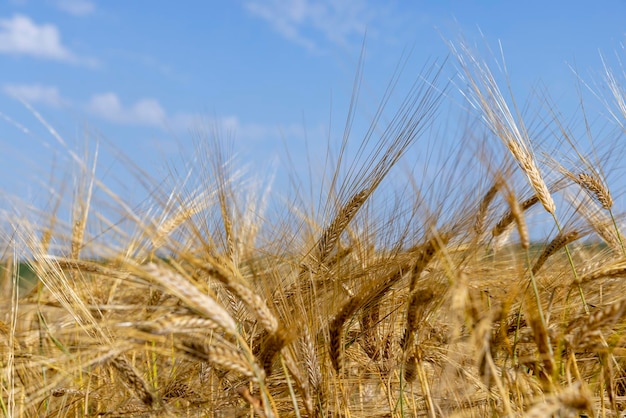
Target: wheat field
pixel 438 300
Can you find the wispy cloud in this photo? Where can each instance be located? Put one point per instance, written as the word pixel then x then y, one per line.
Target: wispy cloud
pixel 36 93
pixel 305 21
pixel 148 112
pixel 143 112
pixel 19 35
pixel 232 126
pixel 77 7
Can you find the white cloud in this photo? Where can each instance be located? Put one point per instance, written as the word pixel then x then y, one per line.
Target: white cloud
pixel 77 7
pixel 299 20
pixel 149 112
pixel 19 35
pixel 36 93
pixel 143 112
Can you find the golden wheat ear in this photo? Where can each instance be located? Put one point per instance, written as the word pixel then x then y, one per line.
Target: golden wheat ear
pixel 135 382
pixel 200 302
pixel 508 127
pixel 557 243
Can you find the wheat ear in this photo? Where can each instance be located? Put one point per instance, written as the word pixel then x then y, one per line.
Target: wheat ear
pixel 558 242
pixel 592 325
pixel 191 295
pixel 223 356
pixel 510 216
pixel 596 189
pixel 486 96
pixel 139 386
pixel 270 346
pixel 252 301
pixel 415 310
pixel 328 239
pixel 483 206
pixel 616 270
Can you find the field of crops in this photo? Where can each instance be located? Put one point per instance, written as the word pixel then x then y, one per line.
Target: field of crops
pixel 442 300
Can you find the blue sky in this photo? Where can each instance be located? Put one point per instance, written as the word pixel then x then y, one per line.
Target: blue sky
pixel 143 75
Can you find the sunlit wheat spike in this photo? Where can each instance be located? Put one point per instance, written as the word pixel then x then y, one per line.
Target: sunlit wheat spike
pixel 181 215
pixel 365 296
pixel 485 96
pixel 329 237
pixel 601 223
pixel 615 270
pixel 134 381
pixel 257 305
pixel 370 338
pixel 520 221
pixel 424 254
pixel 190 294
pixel 509 217
pixel 228 358
pixel 528 165
pixel 596 189
pixel 87 266
pixel 270 347
pixel 571 401
pixel 251 300
pixel 335 330
pixel 417 301
pixel 311 361
pixel 592 325
pixel 558 242
pixel 483 206
pixel 169 324
pixel 542 340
